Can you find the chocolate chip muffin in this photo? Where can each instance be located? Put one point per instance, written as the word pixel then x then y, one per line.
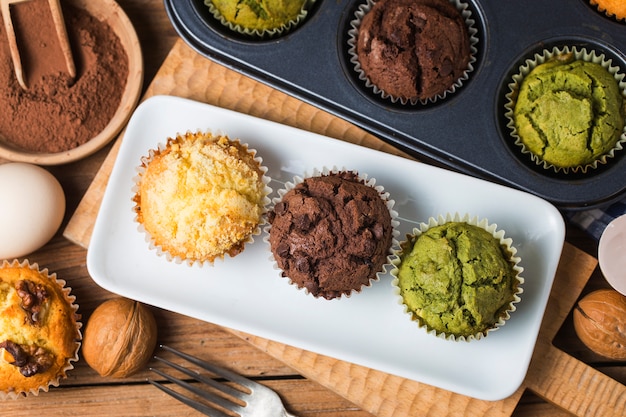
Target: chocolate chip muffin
pixel 39 329
pixel 331 234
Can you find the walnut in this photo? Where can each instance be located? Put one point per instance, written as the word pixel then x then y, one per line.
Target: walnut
pixel 33 298
pixel 31 359
pixel 119 338
pixel 600 323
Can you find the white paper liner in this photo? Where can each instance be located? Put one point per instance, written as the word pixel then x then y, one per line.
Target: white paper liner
pixel 540 58
pixel 70 299
pixel 262 33
pixel 607 12
pixel 474 221
pixel 370 182
pixel 145 160
pixel 353 35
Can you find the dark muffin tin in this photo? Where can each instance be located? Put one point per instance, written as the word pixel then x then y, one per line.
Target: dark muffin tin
pixel 467 130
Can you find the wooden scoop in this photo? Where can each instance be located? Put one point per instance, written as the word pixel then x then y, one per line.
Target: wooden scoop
pixel 59 24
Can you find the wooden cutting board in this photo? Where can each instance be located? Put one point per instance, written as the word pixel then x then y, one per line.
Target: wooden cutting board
pixel 553 374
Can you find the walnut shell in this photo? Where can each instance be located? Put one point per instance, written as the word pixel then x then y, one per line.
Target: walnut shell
pixel 600 323
pixel 119 338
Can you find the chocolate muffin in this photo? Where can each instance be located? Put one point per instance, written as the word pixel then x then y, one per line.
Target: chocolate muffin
pixel 413 49
pixel 331 234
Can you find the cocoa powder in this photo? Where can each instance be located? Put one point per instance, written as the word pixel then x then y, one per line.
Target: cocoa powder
pixel 57 113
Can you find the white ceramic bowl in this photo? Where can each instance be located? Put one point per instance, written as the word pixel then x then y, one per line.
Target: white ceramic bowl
pixel 612 254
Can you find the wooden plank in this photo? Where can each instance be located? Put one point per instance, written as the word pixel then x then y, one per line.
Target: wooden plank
pixel 308 397
pixel 186 74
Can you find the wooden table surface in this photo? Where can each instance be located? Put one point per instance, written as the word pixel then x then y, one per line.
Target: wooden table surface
pixel 85 393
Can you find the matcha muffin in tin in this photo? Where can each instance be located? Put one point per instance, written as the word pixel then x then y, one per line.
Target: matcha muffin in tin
pixel 457 277
pixel 260 18
pixel 565 110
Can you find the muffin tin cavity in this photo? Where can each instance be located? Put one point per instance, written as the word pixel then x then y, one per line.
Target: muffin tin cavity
pixel 466 130
pixel 581 49
pixel 213 23
pixel 362 81
pixel 602 12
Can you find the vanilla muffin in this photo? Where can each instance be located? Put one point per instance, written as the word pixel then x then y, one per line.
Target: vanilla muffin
pixel 39 329
pixel 200 197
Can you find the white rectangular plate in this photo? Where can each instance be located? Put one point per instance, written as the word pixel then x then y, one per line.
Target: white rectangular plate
pixel 370 329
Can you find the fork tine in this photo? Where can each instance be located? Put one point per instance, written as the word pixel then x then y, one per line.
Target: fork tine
pixel 201 378
pixel 221 372
pixel 204 409
pixel 210 397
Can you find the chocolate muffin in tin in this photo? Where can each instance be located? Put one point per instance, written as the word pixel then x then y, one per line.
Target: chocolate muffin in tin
pixel 565 110
pixel 413 51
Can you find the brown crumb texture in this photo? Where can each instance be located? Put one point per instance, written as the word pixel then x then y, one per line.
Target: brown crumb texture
pixel 413 49
pixel 331 234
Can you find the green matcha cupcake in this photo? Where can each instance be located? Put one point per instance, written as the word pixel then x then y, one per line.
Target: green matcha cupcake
pixel 566 110
pixel 260 18
pixel 457 277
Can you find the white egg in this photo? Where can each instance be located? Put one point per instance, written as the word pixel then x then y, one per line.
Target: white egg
pixel 32 206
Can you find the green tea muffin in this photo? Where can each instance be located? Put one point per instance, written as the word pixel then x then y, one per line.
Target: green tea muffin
pixel 458 279
pixel 260 17
pixel 569 112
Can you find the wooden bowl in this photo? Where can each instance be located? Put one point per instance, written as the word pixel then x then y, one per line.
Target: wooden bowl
pixel 110 12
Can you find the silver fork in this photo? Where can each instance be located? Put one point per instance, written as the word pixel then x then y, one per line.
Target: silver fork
pixel 249 399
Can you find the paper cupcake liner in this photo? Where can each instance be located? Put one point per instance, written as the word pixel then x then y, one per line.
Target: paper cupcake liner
pixel 160 251
pixel 507 243
pixel 261 33
pixel 370 182
pixel 65 292
pixel 607 12
pixel 353 35
pixel 540 58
